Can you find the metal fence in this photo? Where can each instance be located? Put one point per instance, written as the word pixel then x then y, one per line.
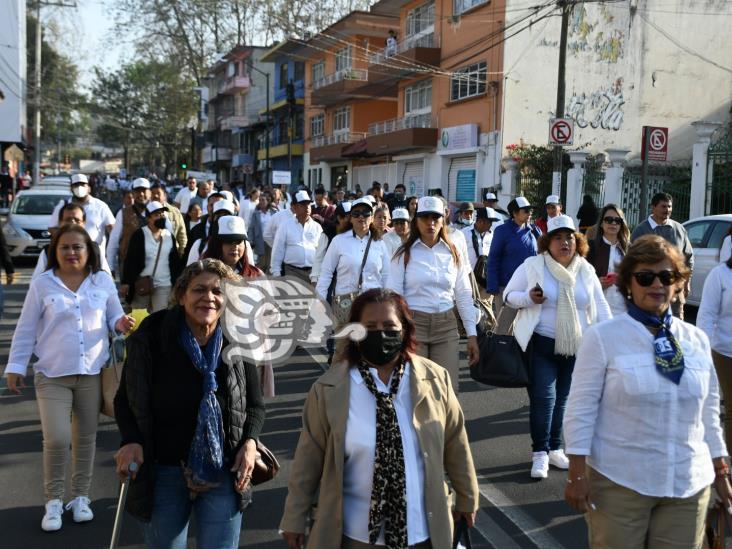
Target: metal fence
pixel 593 180
pixel 535 187
pixel 719 176
pixel 674 179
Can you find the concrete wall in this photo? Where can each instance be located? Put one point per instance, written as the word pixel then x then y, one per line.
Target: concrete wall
pixel 629 64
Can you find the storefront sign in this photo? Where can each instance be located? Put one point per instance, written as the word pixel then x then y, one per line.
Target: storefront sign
pixel 465 191
pixel 415 186
pixel 459 137
pixel 281 177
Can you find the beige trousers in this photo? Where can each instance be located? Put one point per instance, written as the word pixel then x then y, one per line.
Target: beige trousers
pixel 69 409
pixel 723 366
pixel 349 543
pixel 155 302
pixel 625 519
pixel 438 340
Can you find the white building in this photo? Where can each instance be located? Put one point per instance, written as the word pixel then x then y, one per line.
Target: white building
pixel 12 76
pixel 630 64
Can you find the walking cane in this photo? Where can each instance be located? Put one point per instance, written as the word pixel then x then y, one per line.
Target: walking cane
pixel 121 507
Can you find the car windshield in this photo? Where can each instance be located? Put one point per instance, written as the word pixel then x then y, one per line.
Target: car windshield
pixel 36 204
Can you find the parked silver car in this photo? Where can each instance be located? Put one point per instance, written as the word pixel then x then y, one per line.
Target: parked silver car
pixel 706 235
pixel 26 230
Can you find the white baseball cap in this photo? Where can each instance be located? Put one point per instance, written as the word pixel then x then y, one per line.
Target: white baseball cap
pixel 227 205
pixel 430 205
pixel 400 214
pixel 79 178
pixel 232 228
pixel 363 202
pixel 154 206
pixel 227 195
pixel 521 202
pixel 370 198
pixel 560 222
pixel 553 199
pixel 343 208
pixel 301 196
pixel 490 196
pixel 487 213
pixel 140 183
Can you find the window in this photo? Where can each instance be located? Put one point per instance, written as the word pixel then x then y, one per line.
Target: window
pixel 342 120
pixel 318 71
pixel 343 59
pixel 317 125
pixel 469 81
pixel 418 98
pixel 299 125
pixel 421 20
pixel 697 231
pixel 461 6
pixel 282 130
pixel 283 76
pixel 299 70
pixel 718 234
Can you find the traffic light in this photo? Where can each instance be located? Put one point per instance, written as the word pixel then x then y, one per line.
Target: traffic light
pixel 183 166
pixel 290 93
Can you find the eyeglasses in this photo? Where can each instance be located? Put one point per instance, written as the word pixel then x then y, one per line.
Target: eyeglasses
pixel 613 220
pixel 360 213
pixel 646 278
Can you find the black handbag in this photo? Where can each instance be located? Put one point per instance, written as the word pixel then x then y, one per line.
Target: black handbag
pixel 502 363
pixel 461 535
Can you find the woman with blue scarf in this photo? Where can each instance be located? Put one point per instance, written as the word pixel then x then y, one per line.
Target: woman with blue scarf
pixel 642 426
pixel 189 420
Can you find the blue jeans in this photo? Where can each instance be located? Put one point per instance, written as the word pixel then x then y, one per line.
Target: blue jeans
pixel 218 519
pixel 551 376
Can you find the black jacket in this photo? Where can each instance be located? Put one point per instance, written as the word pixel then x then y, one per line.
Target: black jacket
pixel 135 262
pixel 156 342
pixel 197 232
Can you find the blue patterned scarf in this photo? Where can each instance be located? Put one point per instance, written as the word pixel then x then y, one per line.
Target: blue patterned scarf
pixel 206 456
pixel 669 357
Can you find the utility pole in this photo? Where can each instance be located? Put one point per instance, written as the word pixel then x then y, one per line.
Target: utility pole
pixel 37 100
pixel 566 8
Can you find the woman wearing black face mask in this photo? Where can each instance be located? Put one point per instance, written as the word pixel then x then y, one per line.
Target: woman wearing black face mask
pixel 152 264
pixel 380 431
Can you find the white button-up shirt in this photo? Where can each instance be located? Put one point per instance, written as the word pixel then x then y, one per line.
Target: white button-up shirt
pixel 638 428
pixel 270 231
pixel 183 198
pixel 715 311
pixel 162 271
pixel 98 217
pixel 433 283
pixel 360 448
pixel 484 243
pixel 68 331
pixel 295 244
pixel 344 257
pixel 392 241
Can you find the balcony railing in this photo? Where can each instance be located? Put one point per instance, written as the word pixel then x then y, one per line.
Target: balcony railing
pixel 233 122
pixel 405 123
pixel 234 84
pixel 344 74
pixel 428 40
pixel 336 138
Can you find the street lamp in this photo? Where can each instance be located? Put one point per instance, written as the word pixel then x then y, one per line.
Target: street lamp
pixel 251 67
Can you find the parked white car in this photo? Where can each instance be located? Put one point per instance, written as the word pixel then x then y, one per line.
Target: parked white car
pixel 26 230
pixel 706 235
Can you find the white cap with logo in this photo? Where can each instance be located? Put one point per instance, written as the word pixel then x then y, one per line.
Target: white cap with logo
pixel 430 205
pixel 521 202
pixel 154 206
pixel 226 205
pixel 301 196
pixel 559 223
pixel 490 196
pixel 553 199
pixel 400 214
pixel 232 227
pixel 79 178
pixel 140 183
pixel 362 202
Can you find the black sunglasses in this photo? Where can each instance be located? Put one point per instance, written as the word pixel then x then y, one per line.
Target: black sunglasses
pixel 646 278
pixel 360 213
pixel 613 220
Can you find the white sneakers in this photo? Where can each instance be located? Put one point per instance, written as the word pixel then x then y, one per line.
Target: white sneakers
pixel 539 465
pixel 540 462
pixel 80 506
pixel 55 508
pixel 52 519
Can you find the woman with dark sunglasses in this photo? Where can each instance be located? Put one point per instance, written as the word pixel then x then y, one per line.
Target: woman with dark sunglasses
pixel 642 428
pixel 607 249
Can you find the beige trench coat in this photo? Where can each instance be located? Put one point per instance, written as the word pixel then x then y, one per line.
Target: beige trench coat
pixel 317 470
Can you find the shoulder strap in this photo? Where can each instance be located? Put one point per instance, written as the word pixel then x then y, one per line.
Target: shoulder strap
pixel 157 257
pixel 363 263
pixel 475 242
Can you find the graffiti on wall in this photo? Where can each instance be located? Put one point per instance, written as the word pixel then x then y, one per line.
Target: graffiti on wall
pixel 599 109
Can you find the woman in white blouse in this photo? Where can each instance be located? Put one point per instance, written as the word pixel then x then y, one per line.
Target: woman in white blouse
pixel 715 319
pixel 431 274
pixel 607 248
pixel 558 296
pixel 642 428
pixel 67 315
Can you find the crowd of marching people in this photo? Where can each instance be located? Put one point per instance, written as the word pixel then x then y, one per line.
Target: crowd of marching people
pixel 624 395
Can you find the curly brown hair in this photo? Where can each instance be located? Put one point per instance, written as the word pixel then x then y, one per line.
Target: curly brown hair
pixel 582 246
pixel 650 249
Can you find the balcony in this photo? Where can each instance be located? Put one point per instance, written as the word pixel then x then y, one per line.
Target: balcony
pixel 338 86
pixel 234 85
pixel 328 147
pixel 233 122
pixel 419 49
pixel 212 153
pixel 411 132
pixel 281 149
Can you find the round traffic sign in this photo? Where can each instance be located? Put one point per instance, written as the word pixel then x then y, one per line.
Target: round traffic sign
pixel 561 132
pixel 657 140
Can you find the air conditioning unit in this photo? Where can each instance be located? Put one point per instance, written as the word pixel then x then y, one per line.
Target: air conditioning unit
pixel 454 19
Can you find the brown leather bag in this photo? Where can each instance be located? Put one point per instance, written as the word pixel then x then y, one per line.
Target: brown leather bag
pixel 144 285
pixel 266 465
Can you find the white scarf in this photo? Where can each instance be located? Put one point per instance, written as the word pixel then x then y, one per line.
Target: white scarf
pixel 568 329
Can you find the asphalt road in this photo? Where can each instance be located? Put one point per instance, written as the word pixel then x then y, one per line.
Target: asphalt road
pixel 516 512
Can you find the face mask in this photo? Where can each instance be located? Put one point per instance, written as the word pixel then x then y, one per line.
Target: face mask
pixel 381 346
pixel 160 223
pixel 80 191
pixel 464 221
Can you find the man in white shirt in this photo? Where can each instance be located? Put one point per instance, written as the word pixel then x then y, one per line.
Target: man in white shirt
pixel 296 241
pixel 183 197
pixel 99 218
pixel 480 234
pixel 248 205
pixel 277 220
pixel 205 189
pixel 465 215
pixel 400 222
